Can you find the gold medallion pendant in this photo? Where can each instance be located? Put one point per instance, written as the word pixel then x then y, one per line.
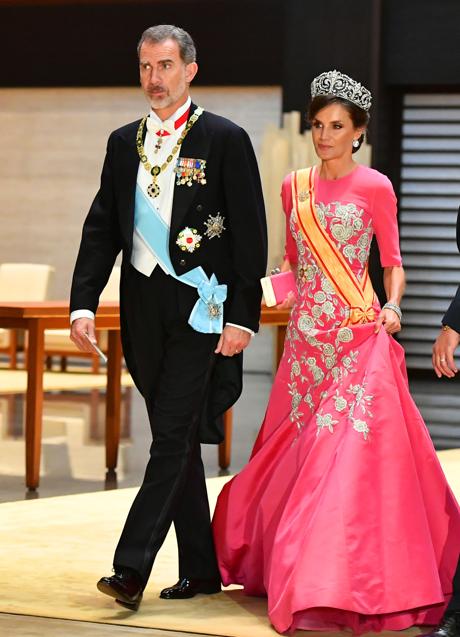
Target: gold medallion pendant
pixel 153 190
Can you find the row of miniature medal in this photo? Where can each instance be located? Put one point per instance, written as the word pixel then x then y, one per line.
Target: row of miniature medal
pixel 187 170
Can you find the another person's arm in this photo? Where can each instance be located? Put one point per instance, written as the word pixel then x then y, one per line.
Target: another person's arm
pixel 447 341
pixel 449 337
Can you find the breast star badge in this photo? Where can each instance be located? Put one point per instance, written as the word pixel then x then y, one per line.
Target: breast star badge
pixel 214 226
pixel 188 239
pixel 214 310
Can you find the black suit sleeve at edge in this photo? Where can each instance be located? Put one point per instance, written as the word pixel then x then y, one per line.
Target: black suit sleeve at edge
pixel 99 244
pixel 247 224
pixel 452 316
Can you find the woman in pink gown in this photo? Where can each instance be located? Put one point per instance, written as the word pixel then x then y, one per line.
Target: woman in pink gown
pixel 343 516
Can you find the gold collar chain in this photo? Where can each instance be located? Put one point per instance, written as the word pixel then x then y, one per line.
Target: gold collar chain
pixel 154 189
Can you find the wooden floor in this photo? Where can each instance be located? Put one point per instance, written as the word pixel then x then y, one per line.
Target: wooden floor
pixel 22 626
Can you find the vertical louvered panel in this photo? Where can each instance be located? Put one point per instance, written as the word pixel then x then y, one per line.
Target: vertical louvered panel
pixel 429 200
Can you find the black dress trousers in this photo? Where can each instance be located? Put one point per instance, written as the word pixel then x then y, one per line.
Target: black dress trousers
pixel 454 604
pixel 171 365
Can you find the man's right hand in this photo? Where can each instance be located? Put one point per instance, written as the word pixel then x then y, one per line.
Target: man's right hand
pixel 81 327
pixel 443 353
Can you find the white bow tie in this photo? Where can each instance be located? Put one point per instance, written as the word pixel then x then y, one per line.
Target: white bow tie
pixel 155 127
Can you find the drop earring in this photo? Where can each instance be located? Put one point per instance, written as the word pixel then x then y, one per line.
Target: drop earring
pixel 355 143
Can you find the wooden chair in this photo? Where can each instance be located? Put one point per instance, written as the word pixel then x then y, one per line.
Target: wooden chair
pixel 21 282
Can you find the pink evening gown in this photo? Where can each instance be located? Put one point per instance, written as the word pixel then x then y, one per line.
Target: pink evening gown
pixel 343 517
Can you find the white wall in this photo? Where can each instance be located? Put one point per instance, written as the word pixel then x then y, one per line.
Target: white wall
pixel 52 144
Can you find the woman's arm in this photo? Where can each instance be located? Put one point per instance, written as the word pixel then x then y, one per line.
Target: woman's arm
pixel 394 281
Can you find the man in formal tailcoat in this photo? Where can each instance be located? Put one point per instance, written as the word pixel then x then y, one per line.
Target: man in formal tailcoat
pixel 180 196
pixel 444 365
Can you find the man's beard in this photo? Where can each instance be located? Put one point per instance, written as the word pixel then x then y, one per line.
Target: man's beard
pixel 160 102
pixel 170 98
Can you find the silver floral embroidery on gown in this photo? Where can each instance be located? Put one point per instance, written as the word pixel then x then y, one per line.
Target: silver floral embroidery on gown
pixel 320 358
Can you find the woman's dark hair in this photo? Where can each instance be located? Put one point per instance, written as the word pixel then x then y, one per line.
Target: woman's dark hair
pixel 359 117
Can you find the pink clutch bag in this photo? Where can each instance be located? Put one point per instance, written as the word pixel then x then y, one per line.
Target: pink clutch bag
pixel 277 286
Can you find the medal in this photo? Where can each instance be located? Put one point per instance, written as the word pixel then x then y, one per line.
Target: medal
pixel 154 189
pixel 158 144
pixel 214 226
pixel 214 310
pixel 189 170
pixel 188 239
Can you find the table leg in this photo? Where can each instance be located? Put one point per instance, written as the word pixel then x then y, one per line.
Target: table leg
pixel 34 403
pixel 113 400
pixel 225 447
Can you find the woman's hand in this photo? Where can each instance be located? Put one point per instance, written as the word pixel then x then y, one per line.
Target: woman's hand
pixel 288 302
pixel 390 321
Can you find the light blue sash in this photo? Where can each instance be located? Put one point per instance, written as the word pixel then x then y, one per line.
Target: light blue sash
pixel 207 313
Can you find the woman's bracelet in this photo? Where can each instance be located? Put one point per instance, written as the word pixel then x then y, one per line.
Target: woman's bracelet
pixel 396 309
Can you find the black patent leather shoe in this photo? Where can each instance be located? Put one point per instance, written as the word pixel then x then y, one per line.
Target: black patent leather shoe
pixel 125 587
pixel 186 588
pixel 449 626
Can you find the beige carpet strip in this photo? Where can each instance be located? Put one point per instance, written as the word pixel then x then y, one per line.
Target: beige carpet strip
pixel 52 552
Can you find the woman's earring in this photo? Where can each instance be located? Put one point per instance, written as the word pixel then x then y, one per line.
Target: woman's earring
pixel 355 143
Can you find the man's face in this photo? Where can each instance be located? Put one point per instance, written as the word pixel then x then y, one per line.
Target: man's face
pixel 164 76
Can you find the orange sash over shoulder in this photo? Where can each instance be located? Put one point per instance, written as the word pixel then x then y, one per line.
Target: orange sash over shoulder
pixel 358 295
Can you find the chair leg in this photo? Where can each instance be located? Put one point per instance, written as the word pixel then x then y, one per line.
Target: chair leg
pixel 225 447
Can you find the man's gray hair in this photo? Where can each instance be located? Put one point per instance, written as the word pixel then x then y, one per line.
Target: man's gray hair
pixel 162 32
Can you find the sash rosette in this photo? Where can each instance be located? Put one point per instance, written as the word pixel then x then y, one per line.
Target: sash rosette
pixel 207 313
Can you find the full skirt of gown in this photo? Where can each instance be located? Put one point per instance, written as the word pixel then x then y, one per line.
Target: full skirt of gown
pixel 343 516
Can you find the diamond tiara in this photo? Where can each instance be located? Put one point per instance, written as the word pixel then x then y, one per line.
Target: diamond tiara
pixel 341 85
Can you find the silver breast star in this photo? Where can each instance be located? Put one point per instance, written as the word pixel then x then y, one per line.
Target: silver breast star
pixel 214 226
pixel 214 310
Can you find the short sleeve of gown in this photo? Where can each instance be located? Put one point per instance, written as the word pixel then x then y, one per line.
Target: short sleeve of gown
pixel 384 220
pixel 290 249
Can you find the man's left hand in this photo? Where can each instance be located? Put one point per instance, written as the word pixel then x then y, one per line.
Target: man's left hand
pixel 232 341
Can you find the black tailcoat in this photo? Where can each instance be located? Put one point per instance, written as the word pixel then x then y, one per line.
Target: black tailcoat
pixel 452 316
pixel 237 258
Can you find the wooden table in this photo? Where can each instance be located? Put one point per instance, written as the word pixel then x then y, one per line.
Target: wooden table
pixel 275 318
pixel 36 317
